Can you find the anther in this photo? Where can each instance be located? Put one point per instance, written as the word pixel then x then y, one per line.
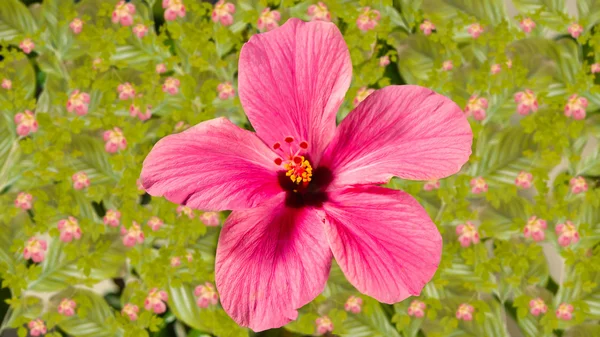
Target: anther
pixel 278 161
pixel 276 146
pixel 289 139
pixel 304 145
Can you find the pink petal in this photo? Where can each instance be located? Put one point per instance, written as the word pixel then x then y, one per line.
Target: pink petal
pixel 383 240
pixel 292 81
pixel 214 165
pixel 271 260
pixel 406 131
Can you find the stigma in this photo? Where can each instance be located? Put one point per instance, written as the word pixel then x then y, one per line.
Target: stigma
pixel 296 165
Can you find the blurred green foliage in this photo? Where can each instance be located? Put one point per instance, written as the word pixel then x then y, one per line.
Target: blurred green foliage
pixel 497 276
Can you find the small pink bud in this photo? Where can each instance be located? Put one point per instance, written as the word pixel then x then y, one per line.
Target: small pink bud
pixel 140 30
pixel 319 12
pixel 67 307
pixel 475 30
pixel 123 13
pixel 575 30
pixel 173 9
pixel 324 325
pixel 171 86
pixel 223 13
pixel 156 301
pixel 226 91
pixel 268 20
pixel 6 84
pixel 76 26
pixel 69 229
pixel 155 223
pixel 427 27
pixel 465 312
pixel 537 306
pixel 526 102
pixel 535 229
pixel 565 311
pixel 206 295
pixel 26 123
pixel 37 327
pixel 417 309
pixel 112 218
pixel 578 185
pixel 35 249
pixel 27 45
pixel 78 102
pixel 80 180
pixel 24 201
pixel 114 140
pixel 353 304
pixel 527 25
pixel 131 311
pixel 478 185
pixel 133 235
pixel 524 180
pixel 476 106
pixel 161 68
pixel 467 234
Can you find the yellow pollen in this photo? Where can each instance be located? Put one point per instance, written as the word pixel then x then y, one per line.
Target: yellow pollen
pixel 299 172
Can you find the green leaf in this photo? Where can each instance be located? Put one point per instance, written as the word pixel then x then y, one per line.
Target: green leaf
pixel 213 320
pixel 15 20
pixel 490 11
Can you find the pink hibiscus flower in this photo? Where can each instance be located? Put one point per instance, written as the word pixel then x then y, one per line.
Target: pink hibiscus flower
pixel 303 191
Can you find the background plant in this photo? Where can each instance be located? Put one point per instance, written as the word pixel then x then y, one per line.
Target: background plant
pixel 68 178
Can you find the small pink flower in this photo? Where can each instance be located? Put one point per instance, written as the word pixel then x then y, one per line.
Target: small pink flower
pixel 509 64
pixel 431 185
pixel 353 304
pixel 171 86
pixel 223 13
pixel 465 312
pixel 467 234
pixel 594 68
pixel 210 219
pixel 6 84
pixel 133 235
pixel 67 307
pixel 189 257
pixel 114 140
pixel 526 102
pixel 361 94
pixel 478 185
pixel 527 25
pixel 126 91
pixel 535 229
pixel 537 306
pixel 27 45
pixel 268 20
pixel 578 185
pixel 123 13
pixel 207 295
pixel 319 12
pixel 427 27
pixel 161 68
pixel 447 65
pixel 140 30
pixel 475 30
pixel 575 30
pixel 175 261
pixel 26 123
pixel 76 25
pixel 477 107
pixel 24 201
pixel 495 68
pixel 155 223
pixel 112 218
pixel 417 309
pixel 134 111
pixel 35 249
pixel 367 19
pixel 576 107
pixel 567 234
pixel 226 90
pixel 78 102
pixel 324 325
pixel 173 9
pixel 131 310
pixel 185 210
pixel 565 311
pixel 524 180
pixel 37 327
pixel 80 180
pixel 384 61
pixel 155 301
pixel 69 229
